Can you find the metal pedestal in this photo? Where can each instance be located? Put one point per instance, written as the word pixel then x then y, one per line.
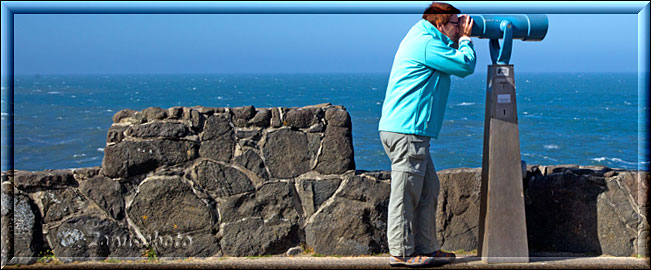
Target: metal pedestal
pixel 502 225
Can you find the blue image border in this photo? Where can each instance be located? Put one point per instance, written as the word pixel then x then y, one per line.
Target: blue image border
pixel 10 8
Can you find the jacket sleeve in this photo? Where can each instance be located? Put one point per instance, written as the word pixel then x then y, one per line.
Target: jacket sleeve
pixel 459 62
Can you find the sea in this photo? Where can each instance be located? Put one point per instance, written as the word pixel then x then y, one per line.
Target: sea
pixel 61 121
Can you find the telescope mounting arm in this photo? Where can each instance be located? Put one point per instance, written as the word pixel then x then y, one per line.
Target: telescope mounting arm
pixel 502 54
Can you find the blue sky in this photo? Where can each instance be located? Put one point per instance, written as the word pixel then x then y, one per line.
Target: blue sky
pixel 282 43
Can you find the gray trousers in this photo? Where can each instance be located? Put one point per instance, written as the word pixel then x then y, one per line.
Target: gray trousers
pixel 411 227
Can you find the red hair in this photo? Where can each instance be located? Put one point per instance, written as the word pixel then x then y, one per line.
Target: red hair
pixel 439 13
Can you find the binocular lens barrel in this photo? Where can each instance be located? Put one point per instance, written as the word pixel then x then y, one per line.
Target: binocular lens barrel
pixel 530 27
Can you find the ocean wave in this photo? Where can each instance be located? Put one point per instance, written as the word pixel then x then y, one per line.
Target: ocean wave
pixel 465 104
pixel 100 149
pixel 540 156
pixel 54 93
pixel 87 159
pixel 51 142
pixel 609 160
pixel 551 146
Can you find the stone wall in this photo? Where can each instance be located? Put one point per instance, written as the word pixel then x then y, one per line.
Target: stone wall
pixel 196 182
pixel 569 208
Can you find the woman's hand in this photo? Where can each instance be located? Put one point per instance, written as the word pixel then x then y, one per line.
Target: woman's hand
pixel 465 25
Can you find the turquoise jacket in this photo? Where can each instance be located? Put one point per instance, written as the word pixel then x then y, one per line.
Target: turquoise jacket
pixel 419 83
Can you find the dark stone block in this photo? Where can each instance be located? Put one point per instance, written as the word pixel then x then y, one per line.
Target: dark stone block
pixel 7 220
pixel 220 149
pixel 127 158
pixel 195 118
pixel 158 129
pixel 323 189
pixel 252 161
pixel 356 218
pixel 275 118
pixel 27 230
pixel 269 200
pixel 91 238
pixel 337 117
pixel 115 134
pixel 107 193
pixel 261 118
pixel 219 180
pixel 44 179
pixel 617 218
pixel 165 205
pixel 217 126
pixel 562 213
pixel 241 115
pixel 286 153
pixel 61 203
pixel 264 222
pixel 457 215
pixel 154 113
pixel 218 137
pixel 205 110
pixel 302 117
pixel 126 113
pixel 190 244
pixel 337 155
pixel 175 112
pixel 253 237
pixel 86 173
pixel 313 193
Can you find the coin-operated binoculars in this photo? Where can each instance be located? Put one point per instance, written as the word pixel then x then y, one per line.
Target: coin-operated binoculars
pixel 502 225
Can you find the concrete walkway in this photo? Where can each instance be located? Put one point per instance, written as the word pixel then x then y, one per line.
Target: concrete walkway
pixel 371 262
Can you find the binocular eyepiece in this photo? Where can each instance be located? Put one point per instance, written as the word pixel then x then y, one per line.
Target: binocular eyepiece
pixel 530 27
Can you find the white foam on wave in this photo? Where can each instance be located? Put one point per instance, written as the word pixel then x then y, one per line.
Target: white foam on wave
pixel 100 149
pixel 54 93
pixel 465 104
pixel 538 155
pixel 602 159
pixel 87 159
pixel 551 146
